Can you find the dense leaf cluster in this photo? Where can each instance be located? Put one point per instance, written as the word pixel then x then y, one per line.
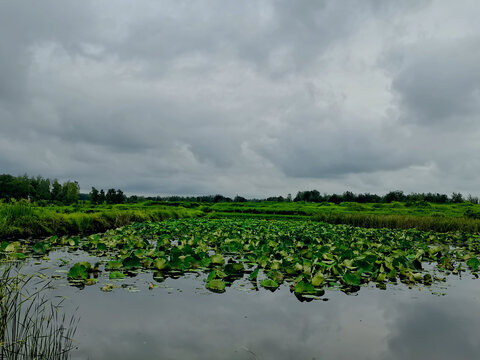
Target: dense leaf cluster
pixel 306 256
pixel 38 189
pixel 111 197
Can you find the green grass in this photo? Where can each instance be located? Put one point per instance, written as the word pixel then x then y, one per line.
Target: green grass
pixel 27 220
pixel 24 220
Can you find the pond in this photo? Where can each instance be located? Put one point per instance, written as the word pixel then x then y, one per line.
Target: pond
pixel 181 319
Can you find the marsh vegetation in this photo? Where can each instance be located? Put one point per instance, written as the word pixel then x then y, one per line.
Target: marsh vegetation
pixel 32 325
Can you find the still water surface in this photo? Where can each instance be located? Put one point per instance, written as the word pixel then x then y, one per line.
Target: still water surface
pixel 180 319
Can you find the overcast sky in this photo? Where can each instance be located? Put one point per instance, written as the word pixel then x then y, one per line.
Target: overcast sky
pixel 255 98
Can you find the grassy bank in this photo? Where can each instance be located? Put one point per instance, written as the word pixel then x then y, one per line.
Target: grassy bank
pixel 424 223
pixel 465 209
pixel 22 220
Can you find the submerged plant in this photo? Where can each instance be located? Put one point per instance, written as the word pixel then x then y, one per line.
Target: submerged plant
pixel 31 325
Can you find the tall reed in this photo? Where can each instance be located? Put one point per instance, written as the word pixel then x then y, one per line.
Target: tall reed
pixel 31 325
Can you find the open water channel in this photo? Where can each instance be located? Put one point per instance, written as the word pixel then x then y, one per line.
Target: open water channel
pixel 180 319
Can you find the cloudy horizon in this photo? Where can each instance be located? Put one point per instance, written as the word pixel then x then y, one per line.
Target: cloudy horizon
pixel 258 98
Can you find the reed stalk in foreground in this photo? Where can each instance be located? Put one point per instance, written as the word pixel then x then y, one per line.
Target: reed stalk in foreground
pixel 31 325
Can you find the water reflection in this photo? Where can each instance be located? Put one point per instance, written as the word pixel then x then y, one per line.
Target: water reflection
pixel 181 320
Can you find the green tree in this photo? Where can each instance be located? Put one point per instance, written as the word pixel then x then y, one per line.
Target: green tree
pixel 120 198
pixel 101 197
pixel 457 198
pixel 56 193
pixel 42 188
pixel 111 196
pixel 94 196
pixel 70 192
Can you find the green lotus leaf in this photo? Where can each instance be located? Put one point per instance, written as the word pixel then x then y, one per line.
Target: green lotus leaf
pixel 212 275
pixel 473 263
pixel 117 275
pixel 114 264
pixel 12 246
pixel 79 271
pixel 318 279
pixel 304 288
pixel 276 276
pixel 160 264
pixel 205 262
pixel 269 284
pixel 131 262
pixel 217 259
pixel 216 285
pixel 254 274
pixel 233 268
pixel 352 279
pixel 40 247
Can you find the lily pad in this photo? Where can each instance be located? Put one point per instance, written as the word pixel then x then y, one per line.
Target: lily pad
pixel 304 288
pixel 217 259
pixel 117 275
pixel 79 271
pixel 216 285
pixel 269 284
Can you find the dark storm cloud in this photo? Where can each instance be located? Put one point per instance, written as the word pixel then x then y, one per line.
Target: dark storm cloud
pixel 254 98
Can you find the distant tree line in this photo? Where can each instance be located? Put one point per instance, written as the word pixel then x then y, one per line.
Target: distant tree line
pixel 38 189
pixel 112 196
pixel 316 197
pixel 397 195
pixel 41 189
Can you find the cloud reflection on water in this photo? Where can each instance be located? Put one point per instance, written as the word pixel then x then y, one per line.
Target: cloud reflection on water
pixel 167 323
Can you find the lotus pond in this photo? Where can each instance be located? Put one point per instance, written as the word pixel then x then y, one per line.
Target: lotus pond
pixel 257 289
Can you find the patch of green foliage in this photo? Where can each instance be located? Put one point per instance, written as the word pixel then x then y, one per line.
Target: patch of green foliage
pixel 306 255
pixel 21 219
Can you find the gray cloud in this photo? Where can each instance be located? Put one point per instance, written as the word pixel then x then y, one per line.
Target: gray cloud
pixel 439 82
pixel 256 98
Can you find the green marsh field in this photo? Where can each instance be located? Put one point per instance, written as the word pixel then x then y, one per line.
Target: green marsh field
pixel 202 280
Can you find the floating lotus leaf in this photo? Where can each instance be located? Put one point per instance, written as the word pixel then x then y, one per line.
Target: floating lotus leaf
pixel 40 247
pixel 297 252
pixel 216 285
pixel 353 279
pixel 254 274
pixel 473 263
pixel 12 246
pixel 304 288
pixel 114 264
pixel 217 259
pixel 269 284
pixel 131 262
pixel 117 275
pixel 233 268
pixel 79 271
pixel 318 279
pixel 160 264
